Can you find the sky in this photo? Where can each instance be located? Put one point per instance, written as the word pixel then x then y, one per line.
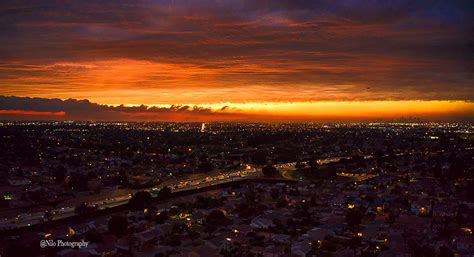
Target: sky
pixel 184 60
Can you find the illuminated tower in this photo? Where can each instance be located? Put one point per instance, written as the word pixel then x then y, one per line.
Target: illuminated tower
pixel 203 127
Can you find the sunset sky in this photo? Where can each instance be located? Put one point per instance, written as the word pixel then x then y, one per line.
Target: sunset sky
pixel 259 60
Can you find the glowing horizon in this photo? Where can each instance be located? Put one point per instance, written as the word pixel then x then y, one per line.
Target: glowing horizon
pixel 338 108
pixel 266 111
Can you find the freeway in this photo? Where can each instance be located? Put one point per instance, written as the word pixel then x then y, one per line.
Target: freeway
pixel 286 168
pixel 24 220
pixel 176 185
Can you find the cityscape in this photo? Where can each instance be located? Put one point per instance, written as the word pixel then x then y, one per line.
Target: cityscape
pixel 230 189
pixel 237 128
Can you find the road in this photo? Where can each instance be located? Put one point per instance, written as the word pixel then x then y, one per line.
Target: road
pixel 176 185
pixel 286 168
pixel 24 220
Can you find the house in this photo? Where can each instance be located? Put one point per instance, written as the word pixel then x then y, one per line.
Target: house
pixel 442 210
pixel 219 243
pixel 19 181
pixel 465 244
pixel 318 233
pixel 147 236
pixel 274 251
pixel 199 251
pixel 260 222
pixel 420 208
pixel 344 253
pixel 68 252
pixel 301 248
pixel 280 238
pixel 257 250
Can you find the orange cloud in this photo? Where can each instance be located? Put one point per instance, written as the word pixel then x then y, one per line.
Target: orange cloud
pixel 242 52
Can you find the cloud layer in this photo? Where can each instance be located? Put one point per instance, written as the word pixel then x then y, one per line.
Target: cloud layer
pixel 211 51
pixel 71 109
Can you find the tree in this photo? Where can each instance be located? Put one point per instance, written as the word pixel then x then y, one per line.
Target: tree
pixel 354 217
pixel 445 252
pixel 217 217
pixel 269 171
pixel 118 225
pixel 172 240
pixel 244 210
pixel 4 203
pixel 358 159
pixel 355 243
pixel 78 182
pixel 20 250
pixel 193 235
pixel 59 173
pixel 275 193
pixel 323 172
pixel 161 217
pixel 94 236
pixel 205 166
pixel 85 209
pixel 260 157
pixel 313 165
pixel 371 215
pixel 164 193
pixel 178 228
pixel 299 165
pixel 140 200
pixel 393 215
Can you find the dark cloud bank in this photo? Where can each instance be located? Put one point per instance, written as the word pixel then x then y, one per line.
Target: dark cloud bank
pixel 25 108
